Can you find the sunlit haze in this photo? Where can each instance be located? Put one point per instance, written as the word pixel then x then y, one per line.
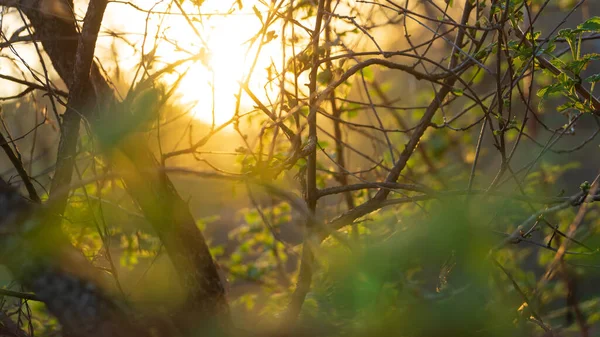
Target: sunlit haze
pixel 224 41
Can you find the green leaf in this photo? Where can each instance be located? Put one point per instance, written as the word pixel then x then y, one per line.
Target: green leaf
pixel 564 107
pixel 351 110
pixel 593 79
pixel 576 66
pixel 551 46
pixel 590 25
pixel 324 77
pixel 304 111
pixel 457 92
pixel 368 74
pixel 480 55
pixel 567 33
pixel 534 36
pixel 552 89
pixel 351 114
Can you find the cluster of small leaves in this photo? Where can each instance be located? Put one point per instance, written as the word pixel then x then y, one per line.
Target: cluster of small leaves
pixel 259 254
pixel 571 69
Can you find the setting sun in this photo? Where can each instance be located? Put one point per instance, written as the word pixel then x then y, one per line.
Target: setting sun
pixel 222 34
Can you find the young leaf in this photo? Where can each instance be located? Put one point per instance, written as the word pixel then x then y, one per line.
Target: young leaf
pixel 593 79
pixel 258 14
pixel 324 77
pixel 590 25
pixel 457 92
pixel 368 74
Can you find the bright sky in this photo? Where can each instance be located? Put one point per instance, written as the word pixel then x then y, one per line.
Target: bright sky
pixel 209 86
pixel 222 37
pixel 223 40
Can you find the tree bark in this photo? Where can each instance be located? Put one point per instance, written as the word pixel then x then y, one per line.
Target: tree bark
pixel 44 261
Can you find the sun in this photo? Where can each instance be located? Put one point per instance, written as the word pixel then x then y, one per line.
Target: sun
pixel 223 35
pixel 228 58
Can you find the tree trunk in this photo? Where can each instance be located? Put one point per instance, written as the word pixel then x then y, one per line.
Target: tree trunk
pixel 147 184
pixel 44 261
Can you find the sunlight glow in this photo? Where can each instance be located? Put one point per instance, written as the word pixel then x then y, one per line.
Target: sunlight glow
pixel 224 39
